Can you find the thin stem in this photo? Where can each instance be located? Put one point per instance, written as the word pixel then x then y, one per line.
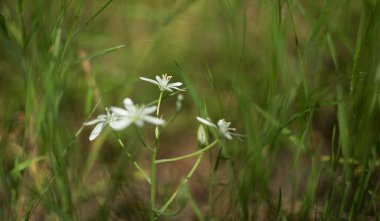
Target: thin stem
pixel 138 167
pixel 159 103
pixel 153 185
pixel 212 182
pixel 164 97
pixel 153 168
pixel 184 182
pixel 187 155
pixel 140 138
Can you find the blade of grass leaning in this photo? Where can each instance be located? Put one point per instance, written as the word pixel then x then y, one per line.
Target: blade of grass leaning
pixel 95 54
pixel 362 187
pixel 211 79
pixel 343 126
pixel 190 88
pixel 358 48
pixel 311 190
pixel 89 20
pixel 318 26
pixel 15 172
pixel 300 56
pixel 3 26
pixel 279 206
pixel 344 139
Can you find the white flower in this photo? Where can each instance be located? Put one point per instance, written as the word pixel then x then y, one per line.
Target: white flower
pixel 163 83
pixel 133 114
pixel 101 121
pixel 222 126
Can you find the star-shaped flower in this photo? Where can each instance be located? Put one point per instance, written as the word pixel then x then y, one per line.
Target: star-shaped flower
pixel 223 127
pixel 134 114
pixel 101 121
pixel 163 83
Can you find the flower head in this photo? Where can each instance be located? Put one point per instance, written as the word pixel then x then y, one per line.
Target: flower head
pixel 133 114
pixel 163 83
pixel 223 128
pixel 101 121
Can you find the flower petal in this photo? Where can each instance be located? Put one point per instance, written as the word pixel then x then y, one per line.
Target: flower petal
pixel 149 110
pixel 178 89
pixel 121 123
pixel 176 84
pixel 119 111
pixel 94 121
pixel 158 79
pixel 128 102
pixel 227 135
pixel 223 123
pixel 154 120
pixel 168 89
pixel 238 136
pixel 149 80
pixel 204 121
pixel 139 122
pixel 96 131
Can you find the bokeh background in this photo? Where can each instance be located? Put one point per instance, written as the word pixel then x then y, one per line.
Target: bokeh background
pixel 299 79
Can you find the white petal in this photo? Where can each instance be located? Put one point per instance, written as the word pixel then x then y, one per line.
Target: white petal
pixel 204 121
pixel 96 131
pixel 154 120
pixel 178 89
pixel 94 121
pixel 228 136
pixel 149 80
pixel 238 136
pixel 139 122
pixel 149 110
pixel 119 111
pixel 168 89
pixel 121 123
pixel 223 123
pixel 176 84
pixel 158 79
pixel 128 102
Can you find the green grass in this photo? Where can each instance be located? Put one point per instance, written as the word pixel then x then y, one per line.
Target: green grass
pixel 300 80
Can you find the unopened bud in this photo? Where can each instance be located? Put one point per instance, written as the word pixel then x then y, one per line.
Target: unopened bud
pixel 179 102
pixel 202 136
pixel 157 133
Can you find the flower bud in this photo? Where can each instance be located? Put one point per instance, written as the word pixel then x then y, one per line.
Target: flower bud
pixel 157 133
pixel 202 136
pixel 179 102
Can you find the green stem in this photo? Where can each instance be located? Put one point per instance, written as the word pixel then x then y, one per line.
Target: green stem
pixel 184 182
pixel 159 103
pixel 212 182
pixel 139 136
pixel 153 186
pixel 153 168
pixel 138 167
pixel 187 155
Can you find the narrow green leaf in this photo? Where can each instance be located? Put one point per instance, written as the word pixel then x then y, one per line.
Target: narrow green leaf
pixel 15 172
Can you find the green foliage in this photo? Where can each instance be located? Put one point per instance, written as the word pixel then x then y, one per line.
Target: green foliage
pixel 300 80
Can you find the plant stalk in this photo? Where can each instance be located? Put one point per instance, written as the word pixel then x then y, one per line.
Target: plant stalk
pixel 153 168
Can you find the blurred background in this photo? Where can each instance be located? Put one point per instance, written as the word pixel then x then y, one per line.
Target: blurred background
pixel 299 79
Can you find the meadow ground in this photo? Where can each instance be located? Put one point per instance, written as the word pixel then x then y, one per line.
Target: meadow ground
pixel 299 80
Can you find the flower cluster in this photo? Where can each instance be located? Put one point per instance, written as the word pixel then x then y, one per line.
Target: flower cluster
pixel 223 128
pixel 163 83
pixel 120 118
